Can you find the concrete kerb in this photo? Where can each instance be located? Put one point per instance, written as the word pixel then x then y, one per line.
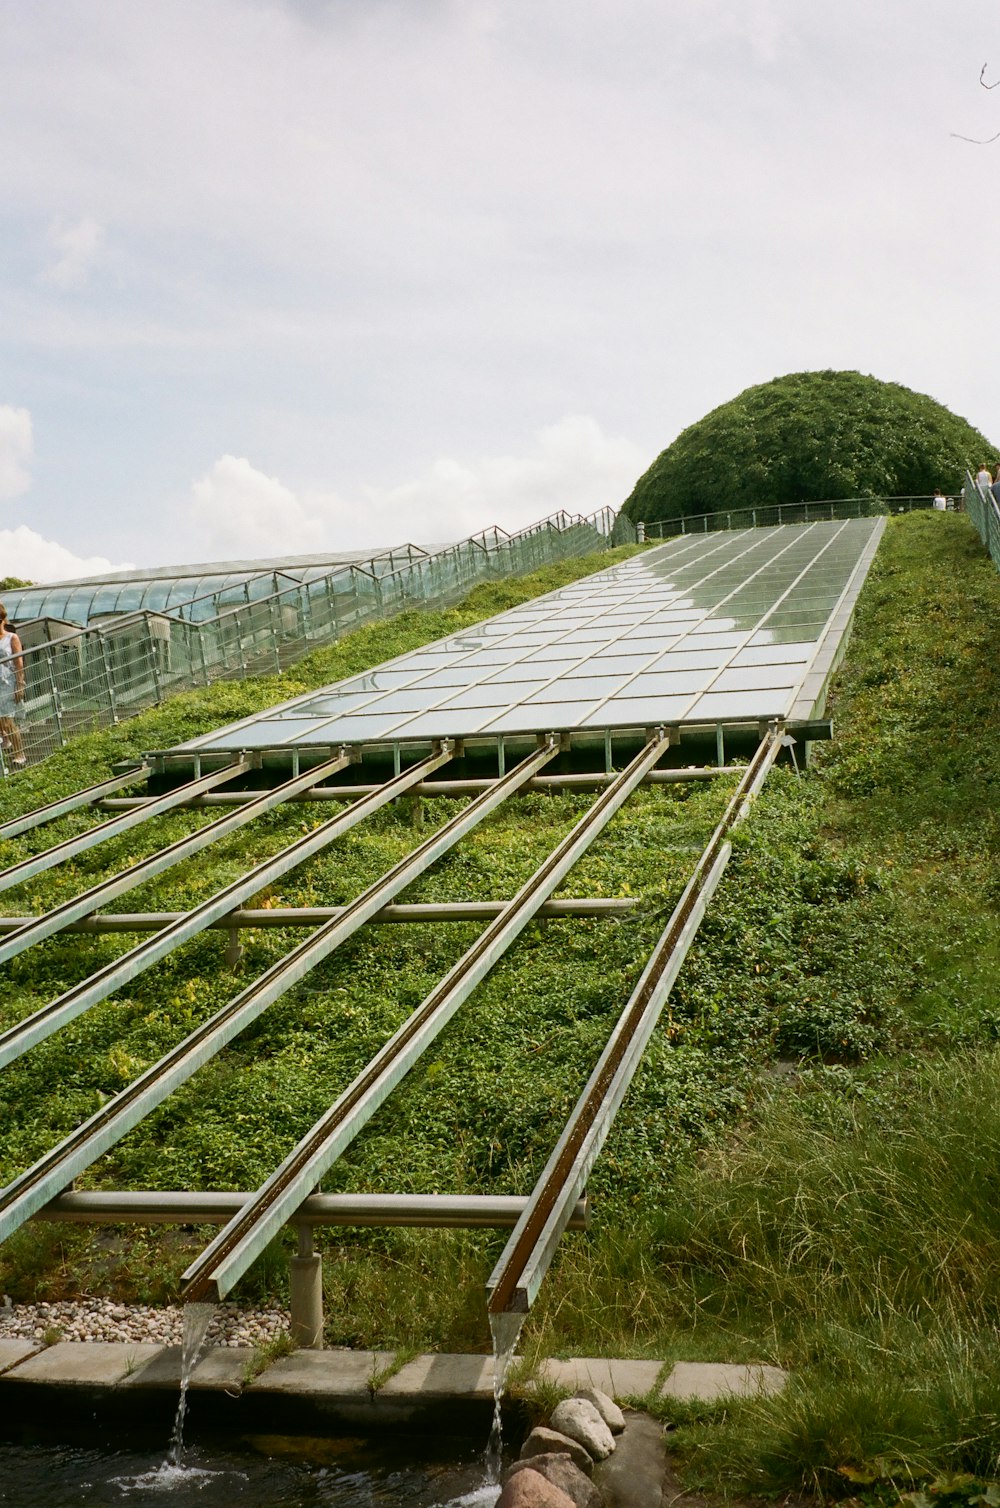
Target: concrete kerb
pixel 318 1391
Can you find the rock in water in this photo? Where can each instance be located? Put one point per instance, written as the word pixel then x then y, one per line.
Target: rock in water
pixel 531 1490
pixel 544 1441
pixel 606 1407
pixel 560 1471
pixel 580 1420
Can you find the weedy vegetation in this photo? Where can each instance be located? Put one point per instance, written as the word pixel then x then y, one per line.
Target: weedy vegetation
pixel 805 1171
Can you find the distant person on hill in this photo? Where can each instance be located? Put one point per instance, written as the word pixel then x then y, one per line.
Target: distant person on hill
pixel 995 489
pixel 11 691
pixel 940 501
pixel 983 478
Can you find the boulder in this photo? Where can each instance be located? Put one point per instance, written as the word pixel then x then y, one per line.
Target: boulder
pixel 544 1441
pixel 561 1472
pixel 606 1407
pixel 529 1489
pixel 580 1421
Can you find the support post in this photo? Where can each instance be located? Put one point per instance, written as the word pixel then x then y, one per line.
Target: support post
pixel 306 1293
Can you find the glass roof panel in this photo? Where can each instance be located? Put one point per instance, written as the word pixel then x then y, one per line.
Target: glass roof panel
pixel 702 629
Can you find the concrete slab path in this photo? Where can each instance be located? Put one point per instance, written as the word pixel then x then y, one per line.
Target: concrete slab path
pixel 328 1389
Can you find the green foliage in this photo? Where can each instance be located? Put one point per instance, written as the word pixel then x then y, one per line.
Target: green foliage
pixel 804 1170
pixel 808 436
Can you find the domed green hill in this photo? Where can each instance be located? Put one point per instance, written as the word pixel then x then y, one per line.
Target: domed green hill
pixel 807 436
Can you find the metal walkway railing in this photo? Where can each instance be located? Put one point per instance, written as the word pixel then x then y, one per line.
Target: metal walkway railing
pixel 985 514
pixel 96 676
pixel 767 516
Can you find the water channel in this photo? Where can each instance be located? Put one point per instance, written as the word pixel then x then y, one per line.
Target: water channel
pixel 262 1473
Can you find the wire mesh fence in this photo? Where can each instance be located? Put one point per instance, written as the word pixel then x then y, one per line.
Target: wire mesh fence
pixel 984 511
pixel 80 678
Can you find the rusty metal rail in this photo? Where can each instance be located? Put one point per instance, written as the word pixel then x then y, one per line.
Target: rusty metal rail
pixel 518 1274
pixel 53 1172
pixel 227 1258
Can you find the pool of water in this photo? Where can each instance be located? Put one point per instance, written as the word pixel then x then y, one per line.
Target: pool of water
pixel 264 1472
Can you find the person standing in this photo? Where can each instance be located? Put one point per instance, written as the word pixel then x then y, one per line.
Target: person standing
pixel 983 479
pixel 11 691
pixel 940 501
pixel 995 489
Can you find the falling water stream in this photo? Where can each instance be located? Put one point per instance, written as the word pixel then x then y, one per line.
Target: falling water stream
pixel 197 1320
pixel 505 1329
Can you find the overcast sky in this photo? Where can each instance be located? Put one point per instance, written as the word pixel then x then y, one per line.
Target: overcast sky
pixel 285 275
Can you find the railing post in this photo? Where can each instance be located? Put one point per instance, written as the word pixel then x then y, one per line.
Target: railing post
pixel 109 683
pixel 54 693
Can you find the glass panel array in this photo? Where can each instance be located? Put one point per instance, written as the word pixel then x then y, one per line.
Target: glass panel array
pixel 710 629
pixel 257 619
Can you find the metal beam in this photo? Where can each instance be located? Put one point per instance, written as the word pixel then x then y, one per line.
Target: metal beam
pixel 518 1274
pixel 70 847
pixel 87 797
pixel 313 916
pixel 178 1207
pixel 98 986
pixel 53 1172
pixel 236 1247
pixel 580 782
pixel 34 930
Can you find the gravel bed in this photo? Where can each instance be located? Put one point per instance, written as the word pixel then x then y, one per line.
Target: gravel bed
pixel 103 1319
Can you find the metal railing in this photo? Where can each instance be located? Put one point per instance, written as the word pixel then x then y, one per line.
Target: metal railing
pixel 96 676
pixel 982 508
pixel 768 515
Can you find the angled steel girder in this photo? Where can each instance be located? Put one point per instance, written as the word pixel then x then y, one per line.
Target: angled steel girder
pixel 33 929
pixel 582 782
pixel 236 1247
pixel 313 916
pixel 70 847
pixel 87 797
pixel 53 1172
pixel 178 1207
pixel 518 1274
pixel 98 986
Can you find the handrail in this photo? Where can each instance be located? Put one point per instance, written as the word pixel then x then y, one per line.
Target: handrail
pixel 983 509
pixel 770 514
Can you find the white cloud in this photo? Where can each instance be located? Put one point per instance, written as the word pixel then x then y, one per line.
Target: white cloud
pixel 244 514
pixel 572 465
pixel 77 246
pixel 16 447
pixel 28 555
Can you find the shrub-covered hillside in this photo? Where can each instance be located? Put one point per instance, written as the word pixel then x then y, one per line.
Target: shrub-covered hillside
pixel 806 436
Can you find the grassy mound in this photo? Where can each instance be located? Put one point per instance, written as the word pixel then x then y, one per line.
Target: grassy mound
pixel 807 436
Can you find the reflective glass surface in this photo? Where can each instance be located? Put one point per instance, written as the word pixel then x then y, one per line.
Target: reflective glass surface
pixel 703 629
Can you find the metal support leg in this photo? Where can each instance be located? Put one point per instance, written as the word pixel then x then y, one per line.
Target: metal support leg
pixel 234 949
pixel 306 1293
pixel 720 746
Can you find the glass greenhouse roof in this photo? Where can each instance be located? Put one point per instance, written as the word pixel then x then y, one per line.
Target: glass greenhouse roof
pixel 194 592
pixel 716 628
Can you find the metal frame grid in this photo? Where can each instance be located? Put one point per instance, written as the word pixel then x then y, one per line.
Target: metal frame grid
pixel 733 572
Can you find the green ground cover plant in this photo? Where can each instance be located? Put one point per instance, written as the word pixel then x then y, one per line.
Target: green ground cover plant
pixel 808 436
pixel 804 1171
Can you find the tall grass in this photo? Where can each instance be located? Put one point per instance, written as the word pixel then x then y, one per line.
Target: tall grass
pixel 856 1237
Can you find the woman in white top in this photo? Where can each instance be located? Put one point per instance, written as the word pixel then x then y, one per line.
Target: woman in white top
pixel 11 691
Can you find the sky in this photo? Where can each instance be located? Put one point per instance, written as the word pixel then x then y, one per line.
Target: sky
pixel 281 276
